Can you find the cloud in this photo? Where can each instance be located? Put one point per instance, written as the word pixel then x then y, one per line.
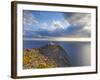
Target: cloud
pixel 82 19
pixel 44 26
pixel 80 24
pixel 55 25
pixel 29 18
pixel 61 24
pixel 48 27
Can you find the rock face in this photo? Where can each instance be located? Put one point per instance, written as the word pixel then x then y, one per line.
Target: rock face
pixel 48 56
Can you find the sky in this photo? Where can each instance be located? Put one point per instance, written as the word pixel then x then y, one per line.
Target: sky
pixel 56 24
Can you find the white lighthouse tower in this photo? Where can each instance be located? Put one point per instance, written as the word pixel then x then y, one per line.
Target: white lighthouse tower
pixel 51 43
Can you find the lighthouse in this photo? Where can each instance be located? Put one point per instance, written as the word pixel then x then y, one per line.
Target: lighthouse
pixel 51 43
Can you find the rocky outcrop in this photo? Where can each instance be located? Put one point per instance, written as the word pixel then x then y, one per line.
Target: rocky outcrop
pixel 47 56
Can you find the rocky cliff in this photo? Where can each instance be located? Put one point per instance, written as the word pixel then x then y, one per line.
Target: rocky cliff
pixel 47 56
